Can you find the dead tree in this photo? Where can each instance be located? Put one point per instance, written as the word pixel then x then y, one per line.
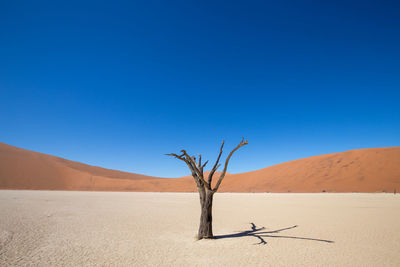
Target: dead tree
pixel 204 185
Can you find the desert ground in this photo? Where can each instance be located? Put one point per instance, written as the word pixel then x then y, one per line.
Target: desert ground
pixel 70 228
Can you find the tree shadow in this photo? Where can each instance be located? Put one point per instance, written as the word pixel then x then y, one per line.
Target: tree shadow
pixel 258 233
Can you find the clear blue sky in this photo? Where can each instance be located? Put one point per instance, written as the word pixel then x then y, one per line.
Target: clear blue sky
pixel 119 83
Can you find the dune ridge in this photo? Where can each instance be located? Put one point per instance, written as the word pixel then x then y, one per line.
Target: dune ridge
pixel 361 170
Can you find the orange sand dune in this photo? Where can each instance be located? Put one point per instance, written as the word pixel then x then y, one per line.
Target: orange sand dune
pixel 24 169
pixel 362 170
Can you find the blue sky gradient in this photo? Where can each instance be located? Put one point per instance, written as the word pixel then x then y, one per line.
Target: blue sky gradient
pixel 120 83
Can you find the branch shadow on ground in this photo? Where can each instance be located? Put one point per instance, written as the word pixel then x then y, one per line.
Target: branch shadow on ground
pixel 258 233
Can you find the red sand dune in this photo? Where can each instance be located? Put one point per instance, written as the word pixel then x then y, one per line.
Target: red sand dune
pixel 362 170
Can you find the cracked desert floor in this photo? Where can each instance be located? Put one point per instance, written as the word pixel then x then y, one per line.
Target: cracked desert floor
pixel 64 228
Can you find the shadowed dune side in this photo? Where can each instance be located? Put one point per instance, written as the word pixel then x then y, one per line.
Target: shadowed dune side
pixel 362 170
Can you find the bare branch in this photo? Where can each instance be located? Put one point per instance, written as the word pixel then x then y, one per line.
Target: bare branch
pixel 193 163
pixel 210 175
pixel 218 166
pixel 242 143
pixel 175 155
pixel 205 163
pixel 192 170
pixel 191 160
pixel 201 167
pixel 199 164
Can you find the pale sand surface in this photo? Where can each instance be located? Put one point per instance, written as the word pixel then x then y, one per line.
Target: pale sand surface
pixel 66 228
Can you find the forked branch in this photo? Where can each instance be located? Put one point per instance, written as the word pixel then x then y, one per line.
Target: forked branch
pixel 197 169
pixel 216 165
pixel 242 143
pixel 182 157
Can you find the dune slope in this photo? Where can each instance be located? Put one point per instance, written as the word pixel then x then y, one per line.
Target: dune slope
pixel 24 169
pixel 362 170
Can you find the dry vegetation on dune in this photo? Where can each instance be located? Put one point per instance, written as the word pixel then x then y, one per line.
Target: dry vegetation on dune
pixel 362 170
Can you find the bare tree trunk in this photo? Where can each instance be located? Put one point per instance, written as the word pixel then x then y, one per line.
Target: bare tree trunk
pixel 206 192
pixel 205 228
